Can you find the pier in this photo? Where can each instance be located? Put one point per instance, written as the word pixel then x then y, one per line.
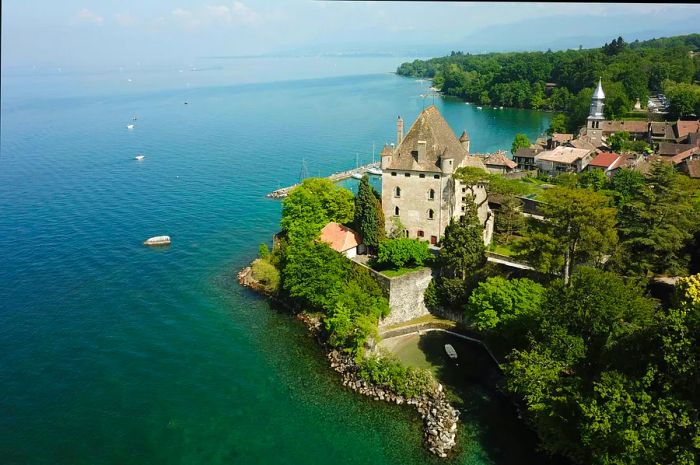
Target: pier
pixel 335 177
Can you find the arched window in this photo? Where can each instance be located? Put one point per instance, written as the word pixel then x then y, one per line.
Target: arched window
pixel 397 191
pixel 396 211
pixel 431 194
pixel 431 214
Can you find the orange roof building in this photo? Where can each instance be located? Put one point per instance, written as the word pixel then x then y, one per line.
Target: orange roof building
pixel 341 239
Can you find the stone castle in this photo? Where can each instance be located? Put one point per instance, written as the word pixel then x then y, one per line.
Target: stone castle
pixel 418 186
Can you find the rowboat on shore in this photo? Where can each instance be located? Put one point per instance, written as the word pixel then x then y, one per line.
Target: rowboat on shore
pixel 157 240
pixel 451 352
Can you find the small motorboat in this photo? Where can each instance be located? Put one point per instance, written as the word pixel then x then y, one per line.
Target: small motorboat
pixel 157 240
pixel 375 171
pixel 357 175
pixel 130 126
pixel 451 352
pixel 478 108
pixel 139 157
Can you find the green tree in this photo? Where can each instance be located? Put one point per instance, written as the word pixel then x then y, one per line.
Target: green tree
pixel 683 98
pixel 397 253
pixel 315 274
pixel 558 124
pixel 657 223
pixel 510 219
pixel 509 306
pixel 463 247
pixel 311 205
pixel 520 141
pixel 368 215
pixel 593 179
pixel 579 227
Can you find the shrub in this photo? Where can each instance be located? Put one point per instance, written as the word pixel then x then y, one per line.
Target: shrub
pixel 389 372
pixel 267 275
pixel 396 253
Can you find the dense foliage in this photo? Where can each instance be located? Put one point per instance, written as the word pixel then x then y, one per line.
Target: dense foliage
pixel 402 252
pixel 387 371
pixel 607 378
pixel 629 72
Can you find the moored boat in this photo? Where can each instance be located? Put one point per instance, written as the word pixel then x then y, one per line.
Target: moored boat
pixel 139 157
pixel 451 352
pixel 130 126
pixel 375 171
pixel 157 240
pixel 357 175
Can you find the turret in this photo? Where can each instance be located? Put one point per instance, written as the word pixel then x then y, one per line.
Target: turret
pixel 386 156
pixel 399 131
pixel 464 140
pixel 447 165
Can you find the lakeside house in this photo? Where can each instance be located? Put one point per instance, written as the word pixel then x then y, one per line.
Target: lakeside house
pixel 342 239
pixel 418 186
pixel 524 158
pixel 563 160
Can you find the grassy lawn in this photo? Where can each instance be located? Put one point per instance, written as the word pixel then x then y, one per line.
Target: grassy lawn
pixel 400 271
pixel 419 321
pixel 501 249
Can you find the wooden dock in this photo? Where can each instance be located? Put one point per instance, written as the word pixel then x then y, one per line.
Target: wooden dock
pixel 335 177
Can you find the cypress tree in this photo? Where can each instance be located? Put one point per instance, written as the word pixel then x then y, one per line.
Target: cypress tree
pixel 369 218
pixel 463 245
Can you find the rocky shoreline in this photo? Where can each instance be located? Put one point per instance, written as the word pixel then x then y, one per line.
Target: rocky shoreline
pixel 439 417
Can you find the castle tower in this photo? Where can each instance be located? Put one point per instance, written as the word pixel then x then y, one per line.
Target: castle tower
pixel 399 131
pixel 595 115
pixel 464 140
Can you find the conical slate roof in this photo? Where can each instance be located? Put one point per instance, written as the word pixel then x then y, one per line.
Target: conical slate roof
pixel 441 143
pixel 464 137
pixel 599 94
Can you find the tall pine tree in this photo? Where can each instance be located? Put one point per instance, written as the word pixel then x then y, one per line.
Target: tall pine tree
pixel 369 218
pixel 463 247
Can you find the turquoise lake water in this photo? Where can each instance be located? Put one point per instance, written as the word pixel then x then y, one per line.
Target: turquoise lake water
pixel 114 353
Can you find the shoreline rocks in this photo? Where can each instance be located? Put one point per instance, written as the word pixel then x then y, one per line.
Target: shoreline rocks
pixel 439 417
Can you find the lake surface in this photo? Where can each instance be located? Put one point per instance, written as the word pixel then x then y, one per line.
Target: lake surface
pixel 114 353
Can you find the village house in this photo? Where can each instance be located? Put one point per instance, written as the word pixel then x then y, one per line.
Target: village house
pixel 605 161
pixel 418 186
pixel 524 158
pixel 499 163
pixel 342 239
pixel 563 160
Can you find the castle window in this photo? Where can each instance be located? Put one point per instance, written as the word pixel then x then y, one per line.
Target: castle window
pixel 408 175
pixel 431 214
pixel 396 211
pixel 431 194
pixel 421 175
pixel 462 207
pixel 464 199
pixel 421 233
pixel 464 189
pixel 436 176
pixel 397 191
pixel 393 173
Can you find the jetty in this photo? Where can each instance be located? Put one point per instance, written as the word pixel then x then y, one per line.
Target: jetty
pixel 335 177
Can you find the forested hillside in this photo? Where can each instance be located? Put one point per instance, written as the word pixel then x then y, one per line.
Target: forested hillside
pixel 630 71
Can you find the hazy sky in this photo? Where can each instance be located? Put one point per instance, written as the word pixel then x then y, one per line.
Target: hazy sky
pixel 111 32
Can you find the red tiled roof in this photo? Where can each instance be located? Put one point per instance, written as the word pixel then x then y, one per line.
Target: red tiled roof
pixel 499 159
pixel 686 127
pixel 683 155
pixel 339 237
pixel 604 159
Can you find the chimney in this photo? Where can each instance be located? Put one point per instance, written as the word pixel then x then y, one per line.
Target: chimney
pixel 422 145
pixel 399 131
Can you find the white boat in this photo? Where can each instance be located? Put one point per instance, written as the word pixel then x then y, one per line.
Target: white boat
pixel 500 108
pixel 478 108
pixel 375 171
pixel 130 126
pixel 139 157
pixel 157 240
pixel 451 352
pixel 357 175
